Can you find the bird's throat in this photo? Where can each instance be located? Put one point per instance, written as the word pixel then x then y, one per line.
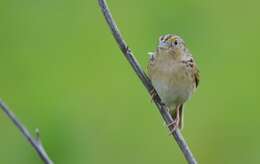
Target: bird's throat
pixel 165 54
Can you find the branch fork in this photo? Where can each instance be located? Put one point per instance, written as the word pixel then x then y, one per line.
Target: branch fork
pixel 35 142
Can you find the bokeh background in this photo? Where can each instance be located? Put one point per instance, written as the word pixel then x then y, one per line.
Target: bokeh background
pixel 62 72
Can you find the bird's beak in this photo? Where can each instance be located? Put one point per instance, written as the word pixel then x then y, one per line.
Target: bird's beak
pixel 163 45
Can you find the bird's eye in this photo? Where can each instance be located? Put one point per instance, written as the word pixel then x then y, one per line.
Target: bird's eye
pixel 175 42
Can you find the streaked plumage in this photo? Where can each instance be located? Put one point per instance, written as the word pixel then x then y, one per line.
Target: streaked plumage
pixel 174 74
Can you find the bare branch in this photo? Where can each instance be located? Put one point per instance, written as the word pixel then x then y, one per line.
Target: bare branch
pixel 146 81
pixel 36 143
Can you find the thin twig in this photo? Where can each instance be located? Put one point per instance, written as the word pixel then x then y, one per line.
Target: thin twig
pixel 146 81
pixel 36 143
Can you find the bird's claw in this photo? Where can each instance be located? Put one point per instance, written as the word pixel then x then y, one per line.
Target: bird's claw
pixel 173 126
pixel 153 94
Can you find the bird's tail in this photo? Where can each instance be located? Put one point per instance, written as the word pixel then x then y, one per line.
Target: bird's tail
pixel 181 115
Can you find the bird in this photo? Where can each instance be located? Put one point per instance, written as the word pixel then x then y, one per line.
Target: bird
pixel 174 75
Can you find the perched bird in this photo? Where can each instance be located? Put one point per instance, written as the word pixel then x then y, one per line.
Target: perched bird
pixel 174 75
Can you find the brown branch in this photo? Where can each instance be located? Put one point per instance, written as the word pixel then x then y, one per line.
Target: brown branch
pixel 35 142
pixel 146 81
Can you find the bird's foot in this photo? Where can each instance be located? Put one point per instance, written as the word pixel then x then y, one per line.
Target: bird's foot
pixel 153 94
pixel 174 125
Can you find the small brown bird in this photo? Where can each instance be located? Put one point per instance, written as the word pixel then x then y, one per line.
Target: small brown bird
pixel 174 75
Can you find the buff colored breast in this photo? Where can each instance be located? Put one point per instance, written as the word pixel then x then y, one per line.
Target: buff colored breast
pixel 172 80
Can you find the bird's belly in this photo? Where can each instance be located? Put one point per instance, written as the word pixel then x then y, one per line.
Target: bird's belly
pixel 174 89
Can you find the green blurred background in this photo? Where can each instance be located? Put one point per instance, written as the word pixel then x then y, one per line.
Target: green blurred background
pixel 62 72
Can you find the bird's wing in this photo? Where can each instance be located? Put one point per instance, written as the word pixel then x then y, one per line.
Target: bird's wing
pixel 196 74
pixel 152 56
pixel 194 69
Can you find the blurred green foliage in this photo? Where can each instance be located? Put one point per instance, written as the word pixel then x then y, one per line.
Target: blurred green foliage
pixel 62 72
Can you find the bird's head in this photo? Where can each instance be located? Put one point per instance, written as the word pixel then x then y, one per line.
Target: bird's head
pixel 171 42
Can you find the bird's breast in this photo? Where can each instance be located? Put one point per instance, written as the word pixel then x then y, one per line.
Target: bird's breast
pixel 172 81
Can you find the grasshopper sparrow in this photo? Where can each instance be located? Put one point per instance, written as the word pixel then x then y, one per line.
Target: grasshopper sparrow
pixel 174 75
